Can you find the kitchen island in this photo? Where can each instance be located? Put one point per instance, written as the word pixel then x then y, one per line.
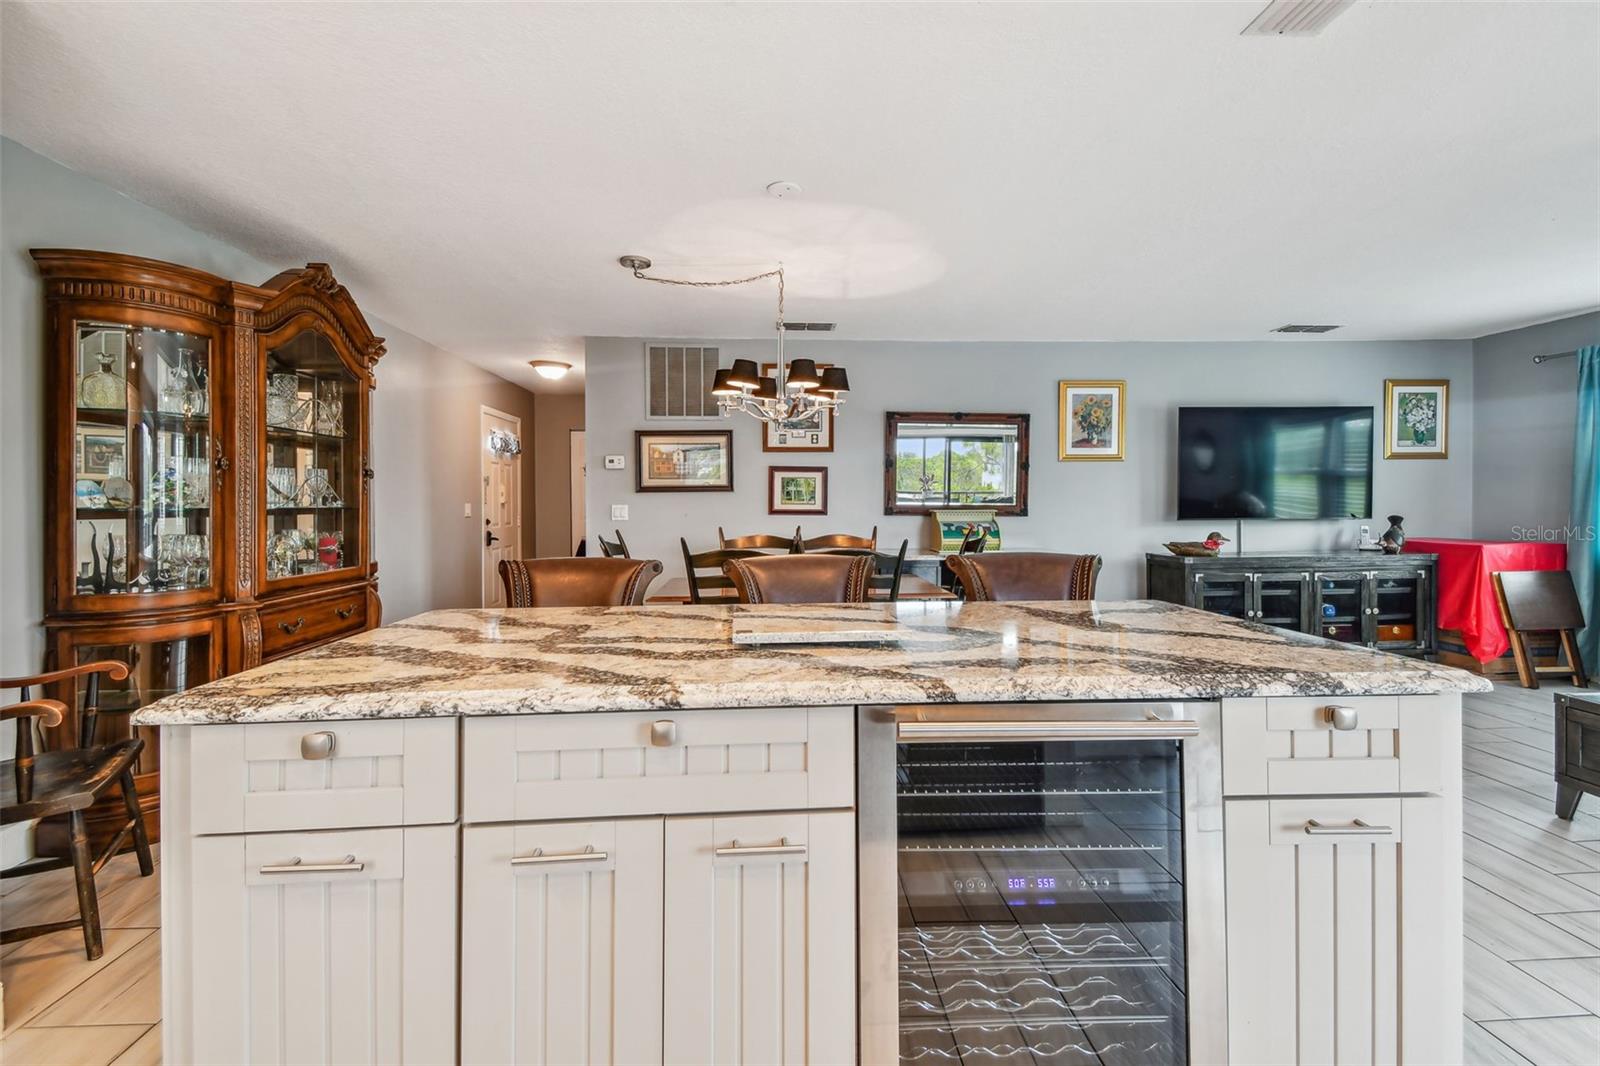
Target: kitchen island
pixel 613 835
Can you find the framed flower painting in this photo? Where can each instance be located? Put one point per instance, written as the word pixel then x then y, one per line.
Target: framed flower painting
pixel 1416 419
pixel 1091 419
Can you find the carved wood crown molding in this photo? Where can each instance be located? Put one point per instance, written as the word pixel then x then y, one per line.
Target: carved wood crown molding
pixel 137 295
pixel 314 289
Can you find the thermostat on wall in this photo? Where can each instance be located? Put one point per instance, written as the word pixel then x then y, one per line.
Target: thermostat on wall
pixel 613 462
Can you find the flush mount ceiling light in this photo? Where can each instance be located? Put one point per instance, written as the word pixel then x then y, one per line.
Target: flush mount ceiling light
pixel 550 368
pixel 795 397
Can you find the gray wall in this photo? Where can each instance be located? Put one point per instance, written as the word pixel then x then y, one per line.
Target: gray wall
pixel 1526 416
pixel 1120 510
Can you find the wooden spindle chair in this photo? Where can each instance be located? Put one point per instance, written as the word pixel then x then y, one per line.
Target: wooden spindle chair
pixel 761 542
pixel 617 549
pixel 840 540
pixel 39 783
pixel 714 587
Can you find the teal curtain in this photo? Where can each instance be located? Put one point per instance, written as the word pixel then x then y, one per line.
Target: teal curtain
pixel 1583 541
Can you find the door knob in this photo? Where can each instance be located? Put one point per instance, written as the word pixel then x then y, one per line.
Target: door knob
pixel 489 538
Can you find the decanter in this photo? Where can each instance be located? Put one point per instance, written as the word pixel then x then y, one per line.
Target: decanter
pixel 104 388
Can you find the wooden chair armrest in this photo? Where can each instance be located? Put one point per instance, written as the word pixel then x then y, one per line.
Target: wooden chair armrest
pixel 48 712
pixel 117 671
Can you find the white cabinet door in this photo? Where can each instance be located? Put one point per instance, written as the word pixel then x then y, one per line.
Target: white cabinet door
pixel 325 947
pixel 760 939
pixel 1338 937
pixel 561 942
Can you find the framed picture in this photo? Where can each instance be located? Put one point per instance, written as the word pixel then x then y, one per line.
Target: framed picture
pixel 99 453
pixel 1416 419
pixel 1091 414
pixel 815 436
pixel 683 460
pixel 797 490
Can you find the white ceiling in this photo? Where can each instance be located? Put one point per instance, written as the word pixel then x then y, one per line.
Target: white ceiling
pixel 972 171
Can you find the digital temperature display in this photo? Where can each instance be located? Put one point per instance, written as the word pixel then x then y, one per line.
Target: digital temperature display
pixel 1034 883
pixel 1023 884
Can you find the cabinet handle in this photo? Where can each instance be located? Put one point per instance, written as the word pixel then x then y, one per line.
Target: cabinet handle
pixel 295 866
pixel 1356 827
pixel 783 847
pixel 539 858
pixel 1341 718
pixel 663 733
pixel 318 745
pixel 292 627
pixel 345 612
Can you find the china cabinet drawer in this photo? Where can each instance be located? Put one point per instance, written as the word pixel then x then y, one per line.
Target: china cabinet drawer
pixel 322 775
pixel 603 765
pixel 1332 745
pixel 297 625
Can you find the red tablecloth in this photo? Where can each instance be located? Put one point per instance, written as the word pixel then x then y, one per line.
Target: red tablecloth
pixel 1466 591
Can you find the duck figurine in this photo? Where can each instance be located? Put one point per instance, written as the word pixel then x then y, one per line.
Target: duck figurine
pixel 1209 546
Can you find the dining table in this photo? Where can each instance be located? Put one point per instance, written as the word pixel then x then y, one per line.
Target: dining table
pixel 676 590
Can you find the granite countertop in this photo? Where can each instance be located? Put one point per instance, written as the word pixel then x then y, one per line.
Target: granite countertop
pixel 581 659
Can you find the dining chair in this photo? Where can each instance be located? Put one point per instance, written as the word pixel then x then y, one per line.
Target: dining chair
pixel 714 587
pixel 38 783
pixel 839 540
pixel 1026 575
pixel 971 544
pixel 886 570
pixel 761 541
pixel 577 582
pixel 617 549
pixel 812 578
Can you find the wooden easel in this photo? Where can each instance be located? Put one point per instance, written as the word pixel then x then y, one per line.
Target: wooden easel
pixel 1541 601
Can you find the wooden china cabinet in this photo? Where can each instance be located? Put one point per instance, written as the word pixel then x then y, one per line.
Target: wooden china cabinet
pixel 207 480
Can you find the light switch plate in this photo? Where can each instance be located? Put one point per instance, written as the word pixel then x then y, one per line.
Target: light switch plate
pixel 466 510
pixel 613 462
pixel 619 512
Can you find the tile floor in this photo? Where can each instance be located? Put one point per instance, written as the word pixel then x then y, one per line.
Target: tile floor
pixel 1532 923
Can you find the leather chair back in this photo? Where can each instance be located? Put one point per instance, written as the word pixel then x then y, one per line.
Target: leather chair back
pixel 812 578
pixel 577 582
pixel 1026 575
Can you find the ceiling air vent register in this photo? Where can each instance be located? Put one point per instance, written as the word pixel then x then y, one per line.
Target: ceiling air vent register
pixel 1295 18
pixel 1294 327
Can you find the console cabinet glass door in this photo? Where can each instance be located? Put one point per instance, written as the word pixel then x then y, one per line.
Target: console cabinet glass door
pixel 313 478
pixel 1400 603
pixel 1341 606
pixel 1223 593
pixel 1280 600
pixel 143 464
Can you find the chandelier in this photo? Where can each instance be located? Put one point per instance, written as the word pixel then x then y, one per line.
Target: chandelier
pixel 795 396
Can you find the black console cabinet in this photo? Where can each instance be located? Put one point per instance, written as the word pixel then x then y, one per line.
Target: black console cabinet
pixel 1381 601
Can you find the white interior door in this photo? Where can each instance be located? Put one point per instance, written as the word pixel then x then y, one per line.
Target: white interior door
pixel 579 484
pixel 502 503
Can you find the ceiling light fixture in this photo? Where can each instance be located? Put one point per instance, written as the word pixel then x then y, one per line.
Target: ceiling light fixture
pixel 550 368
pixel 795 397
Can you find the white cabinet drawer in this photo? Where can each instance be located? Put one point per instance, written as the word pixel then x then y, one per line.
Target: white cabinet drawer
pixel 322 775
pixel 1293 746
pixel 602 765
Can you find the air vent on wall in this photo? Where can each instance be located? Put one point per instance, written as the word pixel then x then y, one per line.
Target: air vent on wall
pixel 1295 18
pixel 1297 328
pixel 814 327
pixel 678 381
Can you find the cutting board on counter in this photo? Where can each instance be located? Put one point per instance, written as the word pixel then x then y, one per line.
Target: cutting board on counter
pixel 770 625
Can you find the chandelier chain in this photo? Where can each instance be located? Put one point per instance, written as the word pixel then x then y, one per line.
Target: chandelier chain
pixel 778 273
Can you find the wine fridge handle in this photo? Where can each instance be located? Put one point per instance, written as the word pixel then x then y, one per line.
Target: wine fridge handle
pixel 1021 732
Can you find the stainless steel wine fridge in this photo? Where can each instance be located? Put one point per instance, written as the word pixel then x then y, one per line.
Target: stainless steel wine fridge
pixel 1041 884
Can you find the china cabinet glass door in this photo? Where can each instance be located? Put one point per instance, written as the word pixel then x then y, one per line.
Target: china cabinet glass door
pixel 313 483
pixel 143 460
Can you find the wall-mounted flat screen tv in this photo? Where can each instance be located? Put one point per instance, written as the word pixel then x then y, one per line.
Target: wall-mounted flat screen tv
pixel 1274 462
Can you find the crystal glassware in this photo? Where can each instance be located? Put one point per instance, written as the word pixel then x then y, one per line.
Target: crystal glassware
pixel 285 409
pixel 330 409
pixel 104 388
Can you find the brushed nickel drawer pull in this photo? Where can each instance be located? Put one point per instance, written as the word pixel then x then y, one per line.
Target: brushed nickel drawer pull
pixel 345 612
pixel 663 733
pixel 1341 718
pixel 1356 828
pixel 539 858
pixel 783 847
pixel 292 628
pixel 295 866
pixel 318 745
